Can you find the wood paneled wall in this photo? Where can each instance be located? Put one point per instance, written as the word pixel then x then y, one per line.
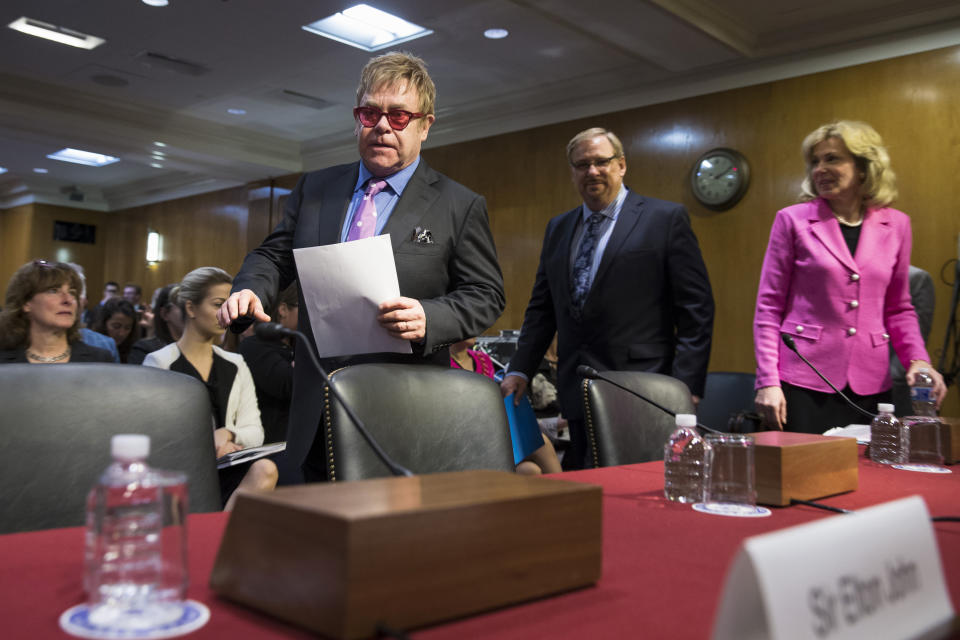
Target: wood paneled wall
pixel 910 100
pixel 16 231
pixel 26 233
pixel 204 230
pixel 524 175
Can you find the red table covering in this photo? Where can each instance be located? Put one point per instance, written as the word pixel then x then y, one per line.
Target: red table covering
pixel 663 565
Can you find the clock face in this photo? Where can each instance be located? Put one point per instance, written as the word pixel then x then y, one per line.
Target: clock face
pixel 719 178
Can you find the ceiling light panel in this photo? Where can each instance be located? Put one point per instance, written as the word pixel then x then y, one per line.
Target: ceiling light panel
pixel 367 28
pixel 57 34
pixel 88 158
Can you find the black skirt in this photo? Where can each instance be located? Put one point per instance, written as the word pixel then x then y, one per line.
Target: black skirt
pixel 811 411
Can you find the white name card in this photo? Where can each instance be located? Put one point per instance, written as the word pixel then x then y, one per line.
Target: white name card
pixel 872 574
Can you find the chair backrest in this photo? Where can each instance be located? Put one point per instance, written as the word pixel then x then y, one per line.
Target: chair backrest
pixel 623 429
pixel 427 418
pixel 726 394
pixel 56 422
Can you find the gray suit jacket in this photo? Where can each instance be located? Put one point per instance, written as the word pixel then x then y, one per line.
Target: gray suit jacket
pixel 456 278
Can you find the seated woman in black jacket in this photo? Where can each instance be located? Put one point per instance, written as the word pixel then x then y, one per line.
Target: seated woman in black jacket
pixel 117 319
pixel 167 326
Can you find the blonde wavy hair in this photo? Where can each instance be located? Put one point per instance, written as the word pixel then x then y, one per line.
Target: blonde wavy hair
pixel 869 154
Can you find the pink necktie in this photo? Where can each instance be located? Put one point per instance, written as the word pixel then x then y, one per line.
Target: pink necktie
pixel 365 219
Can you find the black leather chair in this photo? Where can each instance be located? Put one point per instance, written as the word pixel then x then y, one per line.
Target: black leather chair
pixel 623 429
pixel 428 419
pixel 56 422
pixel 727 393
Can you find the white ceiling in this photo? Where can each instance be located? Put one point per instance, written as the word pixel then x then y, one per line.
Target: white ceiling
pixel 562 60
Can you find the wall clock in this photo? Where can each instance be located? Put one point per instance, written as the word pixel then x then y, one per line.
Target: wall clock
pixel 719 178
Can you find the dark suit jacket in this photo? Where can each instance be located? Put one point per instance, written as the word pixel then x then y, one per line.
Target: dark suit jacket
pixel 457 278
pixel 650 307
pixel 79 352
pixel 923 297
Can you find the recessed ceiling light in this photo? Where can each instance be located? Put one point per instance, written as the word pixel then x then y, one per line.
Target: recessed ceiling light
pixel 158 154
pixel 496 34
pixel 237 112
pixel 367 28
pixel 156 165
pixel 159 144
pixel 156 3
pixel 40 170
pixel 78 156
pixel 57 34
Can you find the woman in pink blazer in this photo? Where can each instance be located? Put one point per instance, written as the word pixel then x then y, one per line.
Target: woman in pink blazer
pixel 835 278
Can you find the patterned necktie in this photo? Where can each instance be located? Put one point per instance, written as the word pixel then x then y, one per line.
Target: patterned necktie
pixel 365 219
pixel 584 262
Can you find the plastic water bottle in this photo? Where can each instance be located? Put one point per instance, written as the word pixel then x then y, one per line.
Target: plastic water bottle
pixel 135 576
pixel 889 442
pixel 921 394
pixel 683 461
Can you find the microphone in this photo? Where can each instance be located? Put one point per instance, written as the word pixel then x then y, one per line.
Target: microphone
pixel 586 371
pixel 241 324
pixel 275 331
pixel 792 345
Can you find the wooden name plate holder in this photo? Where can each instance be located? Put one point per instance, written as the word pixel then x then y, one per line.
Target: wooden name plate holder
pixel 340 559
pixel 803 466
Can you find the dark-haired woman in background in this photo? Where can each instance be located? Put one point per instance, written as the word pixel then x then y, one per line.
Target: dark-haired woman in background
pixel 39 323
pixel 835 278
pixel 117 319
pixel 167 326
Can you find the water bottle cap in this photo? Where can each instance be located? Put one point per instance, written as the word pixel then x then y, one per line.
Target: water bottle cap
pixel 686 420
pixel 884 407
pixel 130 446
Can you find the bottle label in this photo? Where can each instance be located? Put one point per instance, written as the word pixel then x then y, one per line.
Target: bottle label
pixel 921 394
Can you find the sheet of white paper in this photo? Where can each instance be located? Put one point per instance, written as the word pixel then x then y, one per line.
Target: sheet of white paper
pixel 859 431
pixel 342 285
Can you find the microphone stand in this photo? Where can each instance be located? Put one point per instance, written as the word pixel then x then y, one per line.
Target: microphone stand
pixel 792 345
pixel 274 331
pixel 585 371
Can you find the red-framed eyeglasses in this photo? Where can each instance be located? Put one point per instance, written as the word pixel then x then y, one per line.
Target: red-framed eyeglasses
pixel 398 118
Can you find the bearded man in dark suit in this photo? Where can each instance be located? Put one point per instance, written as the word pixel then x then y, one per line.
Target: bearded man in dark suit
pixel 450 281
pixel 622 283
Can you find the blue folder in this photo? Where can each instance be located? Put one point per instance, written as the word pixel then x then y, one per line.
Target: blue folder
pixel 524 430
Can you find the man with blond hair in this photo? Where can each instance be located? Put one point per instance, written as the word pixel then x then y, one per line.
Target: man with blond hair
pixel 621 282
pixel 451 287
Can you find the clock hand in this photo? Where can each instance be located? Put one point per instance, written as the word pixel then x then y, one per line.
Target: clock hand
pixel 720 174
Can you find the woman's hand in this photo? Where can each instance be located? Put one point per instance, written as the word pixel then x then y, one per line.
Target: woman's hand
pixel 939 388
pixel 223 439
pixel 772 406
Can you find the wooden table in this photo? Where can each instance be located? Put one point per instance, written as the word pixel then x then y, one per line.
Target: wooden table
pixel 663 565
